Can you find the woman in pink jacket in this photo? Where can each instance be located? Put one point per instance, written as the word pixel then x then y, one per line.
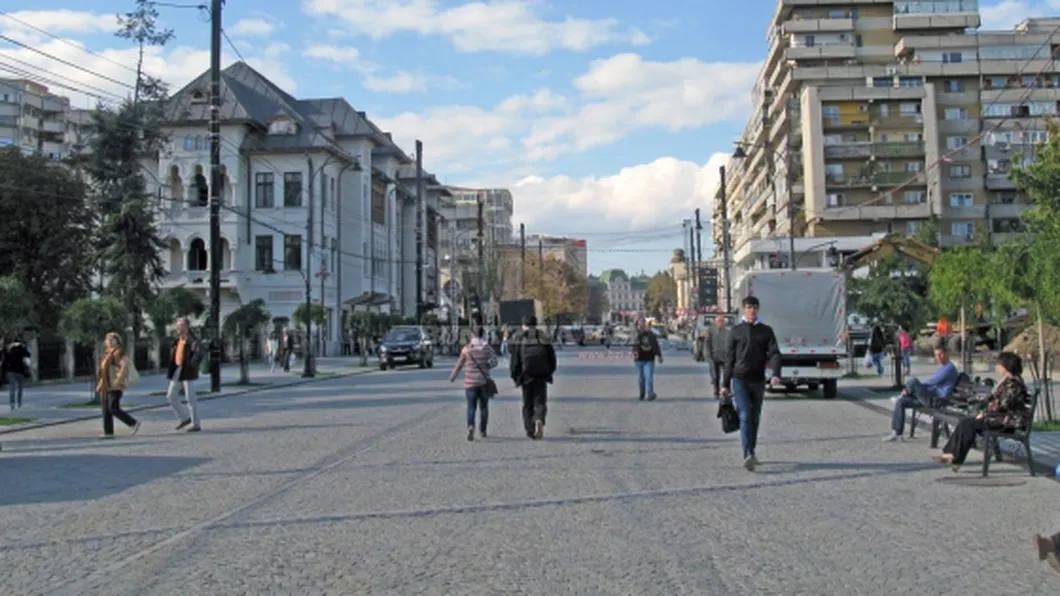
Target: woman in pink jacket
pixel 476 359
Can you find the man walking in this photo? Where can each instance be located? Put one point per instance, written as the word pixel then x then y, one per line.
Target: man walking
pixel 186 356
pixel 752 349
pixel 286 348
pixel 716 346
pixel 645 351
pixel 533 364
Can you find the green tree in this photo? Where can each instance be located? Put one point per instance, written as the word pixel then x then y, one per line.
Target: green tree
pixel 170 305
pixel 244 324
pixel 316 313
pixel 128 245
pixel 16 307
pixel 890 294
pixel 89 320
pixel 46 229
pixel 660 299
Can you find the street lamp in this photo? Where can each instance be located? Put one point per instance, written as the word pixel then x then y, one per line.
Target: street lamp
pixel 739 153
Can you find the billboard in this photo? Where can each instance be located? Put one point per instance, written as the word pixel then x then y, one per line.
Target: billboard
pixel 707 287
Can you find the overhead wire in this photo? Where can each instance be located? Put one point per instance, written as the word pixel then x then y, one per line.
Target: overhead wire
pixel 66 41
pixel 65 62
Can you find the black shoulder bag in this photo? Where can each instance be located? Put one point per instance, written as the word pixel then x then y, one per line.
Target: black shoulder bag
pixel 490 388
pixel 730 419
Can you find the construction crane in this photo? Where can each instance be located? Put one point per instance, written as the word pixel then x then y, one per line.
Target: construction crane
pixel 889 245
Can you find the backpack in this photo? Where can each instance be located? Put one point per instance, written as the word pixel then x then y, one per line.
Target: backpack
pixel 534 347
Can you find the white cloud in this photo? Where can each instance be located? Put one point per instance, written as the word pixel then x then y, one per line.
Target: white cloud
pixel 509 26
pixel 660 193
pixel 615 97
pixel 376 78
pixel 111 76
pixel 253 27
pixel 1006 14
pixel 401 82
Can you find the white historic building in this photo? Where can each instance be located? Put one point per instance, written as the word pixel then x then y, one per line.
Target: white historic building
pixel 288 164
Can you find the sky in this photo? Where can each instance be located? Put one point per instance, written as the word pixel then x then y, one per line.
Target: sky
pixel 607 119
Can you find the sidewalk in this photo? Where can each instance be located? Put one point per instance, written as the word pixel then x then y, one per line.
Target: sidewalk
pixel 869 388
pixel 52 404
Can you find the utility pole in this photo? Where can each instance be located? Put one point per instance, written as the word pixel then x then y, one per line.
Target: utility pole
pixel 725 243
pixel 307 371
pixel 216 260
pixel 420 236
pixel 698 250
pixel 522 260
pixel 541 270
pixel 790 180
pixel 481 285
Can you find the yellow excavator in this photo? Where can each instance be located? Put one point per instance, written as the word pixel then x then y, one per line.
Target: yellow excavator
pixel 889 245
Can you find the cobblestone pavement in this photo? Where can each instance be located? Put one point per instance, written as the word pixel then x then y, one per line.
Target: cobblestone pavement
pixel 367 485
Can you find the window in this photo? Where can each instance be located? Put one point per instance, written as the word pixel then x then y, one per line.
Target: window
pixel 264 191
pixel 834 199
pixel 960 171
pixel 1007 225
pixel 954 86
pixel 292 253
pixel 263 253
pixel 378 201
pixel 956 142
pixel 908 109
pixel 955 114
pixel 323 192
pixel 334 203
pixel 189 143
pixel 961 199
pixel 913 197
pixel 910 82
pixel 963 229
pixel 292 189
pixel 952 58
pixel 882 82
pixel 201 190
pixel 912 228
pixel 199 97
pixel 1006 197
pixel 913 166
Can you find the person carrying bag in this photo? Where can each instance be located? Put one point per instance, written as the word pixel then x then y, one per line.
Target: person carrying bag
pixel 476 360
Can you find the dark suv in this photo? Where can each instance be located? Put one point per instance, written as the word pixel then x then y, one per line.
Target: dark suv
pixel 406 345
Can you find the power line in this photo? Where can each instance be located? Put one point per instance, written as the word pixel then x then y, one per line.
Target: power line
pixel 66 41
pixel 62 61
pixel 232 45
pixel 34 73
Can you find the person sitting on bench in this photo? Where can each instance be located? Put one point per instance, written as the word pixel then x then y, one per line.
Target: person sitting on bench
pixel 919 394
pixel 1008 408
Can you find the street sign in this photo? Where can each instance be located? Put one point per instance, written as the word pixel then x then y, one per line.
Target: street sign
pixel 708 286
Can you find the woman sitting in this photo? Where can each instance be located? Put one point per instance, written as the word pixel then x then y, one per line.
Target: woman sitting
pixel 1007 409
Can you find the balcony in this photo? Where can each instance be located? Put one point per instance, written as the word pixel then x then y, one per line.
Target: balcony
pixel 850 123
pixel 999 181
pixel 819 25
pixel 1005 210
pixel 881 179
pixel 876 212
pixel 897 121
pixel 969 212
pixel 53 126
pixel 822 51
pixel 847 150
pixel 928 14
pixel 907 149
pixel 199 279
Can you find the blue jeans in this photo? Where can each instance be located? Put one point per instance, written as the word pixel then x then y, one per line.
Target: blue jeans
pixel 15 382
pixel 918 395
pixel 907 359
pixel 646 377
pixel 877 361
pixel 748 397
pixel 477 400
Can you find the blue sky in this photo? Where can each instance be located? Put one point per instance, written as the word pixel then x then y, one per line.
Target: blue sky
pixel 607 119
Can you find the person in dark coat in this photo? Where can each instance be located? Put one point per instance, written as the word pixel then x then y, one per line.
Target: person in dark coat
pixel 183 371
pixel 533 365
pixel 877 344
pixel 13 361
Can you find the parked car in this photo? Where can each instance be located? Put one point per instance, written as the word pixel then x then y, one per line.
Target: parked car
pixel 406 345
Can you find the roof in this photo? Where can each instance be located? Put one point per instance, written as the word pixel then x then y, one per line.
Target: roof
pixel 612 275
pixel 247 96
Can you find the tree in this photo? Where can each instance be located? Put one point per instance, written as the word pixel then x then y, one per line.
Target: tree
pixel 141 26
pixel 243 324
pixel 16 307
pixel 556 284
pixel 660 299
pixel 597 301
pixel 169 306
pixel 890 295
pixel 128 245
pixel 89 320
pixel 317 314
pixel 46 227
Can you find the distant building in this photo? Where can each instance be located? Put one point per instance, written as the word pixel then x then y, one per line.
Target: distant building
pixel 37 121
pixel 625 295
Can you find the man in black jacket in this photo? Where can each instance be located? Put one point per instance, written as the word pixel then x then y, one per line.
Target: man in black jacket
pixel 533 363
pixel 752 349
pixel 645 351
pixel 183 371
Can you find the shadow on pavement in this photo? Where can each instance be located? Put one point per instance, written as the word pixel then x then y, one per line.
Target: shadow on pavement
pixel 83 477
pixel 787 467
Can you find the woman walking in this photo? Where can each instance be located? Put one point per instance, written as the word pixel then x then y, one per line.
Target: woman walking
pixel 476 359
pixel 272 347
pixel 113 379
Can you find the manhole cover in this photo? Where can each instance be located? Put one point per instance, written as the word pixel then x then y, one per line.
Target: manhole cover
pixel 980 481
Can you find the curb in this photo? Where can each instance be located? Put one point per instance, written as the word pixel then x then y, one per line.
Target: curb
pixel 1040 468
pixel 256 389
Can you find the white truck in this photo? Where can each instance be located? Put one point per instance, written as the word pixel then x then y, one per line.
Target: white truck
pixel 807 310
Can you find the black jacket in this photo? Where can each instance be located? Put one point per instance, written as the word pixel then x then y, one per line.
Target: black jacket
pixel 876 341
pixel 192 359
pixel 13 359
pixel 530 349
pixel 646 347
pixel 752 349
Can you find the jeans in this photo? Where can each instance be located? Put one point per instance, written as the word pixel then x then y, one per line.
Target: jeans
pixel 748 397
pixel 917 395
pixel 112 409
pixel 646 377
pixel 477 400
pixel 14 380
pixel 877 361
pixel 907 360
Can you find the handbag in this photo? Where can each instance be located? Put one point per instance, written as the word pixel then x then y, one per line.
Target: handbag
pixel 490 388
pixel 730 419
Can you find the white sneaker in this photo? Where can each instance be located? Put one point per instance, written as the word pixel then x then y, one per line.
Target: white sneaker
pixel 891 438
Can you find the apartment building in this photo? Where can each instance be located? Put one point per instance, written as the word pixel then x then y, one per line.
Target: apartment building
pixel 866 117
pixel 38 121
